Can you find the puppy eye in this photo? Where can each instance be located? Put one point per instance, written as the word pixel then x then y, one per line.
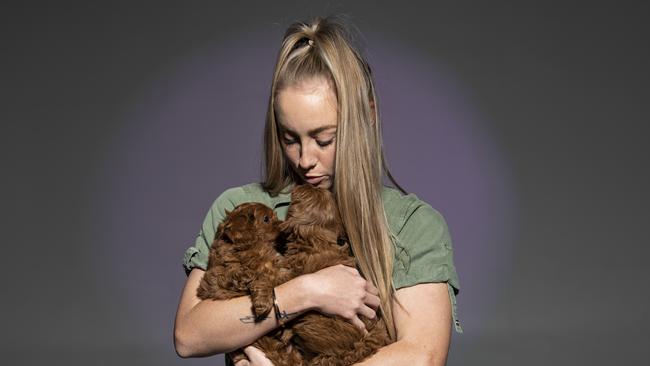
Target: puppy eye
pixel 341 241
pixel 266 218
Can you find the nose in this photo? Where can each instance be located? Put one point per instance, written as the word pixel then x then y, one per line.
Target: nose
pixel 308 158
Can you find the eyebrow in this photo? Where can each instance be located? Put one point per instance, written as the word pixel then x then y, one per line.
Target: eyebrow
pixel 312 132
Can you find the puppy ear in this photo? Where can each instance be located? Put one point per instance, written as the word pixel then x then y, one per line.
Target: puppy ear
pixel 221 233
pixel 283 225
pixel 233 236
pixel 288 226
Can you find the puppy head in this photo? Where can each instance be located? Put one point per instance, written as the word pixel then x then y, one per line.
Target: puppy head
pixel 249 224
pixel 312 209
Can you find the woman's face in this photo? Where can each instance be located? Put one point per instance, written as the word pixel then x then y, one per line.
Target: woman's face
pixel 307 116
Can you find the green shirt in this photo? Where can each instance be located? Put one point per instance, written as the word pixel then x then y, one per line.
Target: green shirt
pixel 423 250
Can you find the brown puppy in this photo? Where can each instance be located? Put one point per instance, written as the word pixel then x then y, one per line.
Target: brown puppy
pixel 243 261
pixel 315 237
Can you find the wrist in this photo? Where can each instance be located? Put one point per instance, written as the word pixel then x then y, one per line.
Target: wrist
pixel 293 296
pixel 305 288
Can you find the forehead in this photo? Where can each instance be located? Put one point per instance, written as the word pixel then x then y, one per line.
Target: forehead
pixel 307 106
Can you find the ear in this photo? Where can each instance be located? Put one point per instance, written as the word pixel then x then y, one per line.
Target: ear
pixel 220 234
pixel 287 226
pixel 233 236
pixel 283 226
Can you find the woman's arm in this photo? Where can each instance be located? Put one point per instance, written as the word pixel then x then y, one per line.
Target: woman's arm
pixel 207 327
pixel 423 328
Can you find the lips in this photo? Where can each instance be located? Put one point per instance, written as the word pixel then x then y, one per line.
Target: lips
pixel 313 180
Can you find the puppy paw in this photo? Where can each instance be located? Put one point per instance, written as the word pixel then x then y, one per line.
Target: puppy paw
pixel 262 302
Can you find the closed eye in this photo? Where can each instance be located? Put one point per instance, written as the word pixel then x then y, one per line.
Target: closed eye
pixel 288 139
pixel 324 143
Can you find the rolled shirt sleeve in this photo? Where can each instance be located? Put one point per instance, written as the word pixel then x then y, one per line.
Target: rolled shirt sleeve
pixel 196 256
pixel 423 251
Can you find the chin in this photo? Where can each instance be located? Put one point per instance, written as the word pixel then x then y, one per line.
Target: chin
pixel 325 183
pixel 324 186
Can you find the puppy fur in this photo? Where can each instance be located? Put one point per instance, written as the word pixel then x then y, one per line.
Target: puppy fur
pixel 243 260
pixel 316 240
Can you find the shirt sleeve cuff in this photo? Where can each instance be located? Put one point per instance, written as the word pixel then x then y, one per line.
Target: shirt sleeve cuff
pixel 194 258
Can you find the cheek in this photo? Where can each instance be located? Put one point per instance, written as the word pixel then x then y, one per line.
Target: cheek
pixel 292 154
pixel 330 157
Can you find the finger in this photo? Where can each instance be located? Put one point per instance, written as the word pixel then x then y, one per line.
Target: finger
pixel 367 312
pixel 256 356
pixel 372 300
pixel 239 358
pixel 248 350
pixel 358 323
pixel 252 353
pixel 371 288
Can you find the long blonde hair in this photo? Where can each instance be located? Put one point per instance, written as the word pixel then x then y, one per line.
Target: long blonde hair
pixel 324 47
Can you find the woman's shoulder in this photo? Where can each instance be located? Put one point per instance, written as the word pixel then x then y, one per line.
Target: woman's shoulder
pixel 239 194
pixel 250 192
pixel 242 192
pixel 401 208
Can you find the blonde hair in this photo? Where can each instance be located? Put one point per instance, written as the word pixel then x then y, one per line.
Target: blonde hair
pixel 324 48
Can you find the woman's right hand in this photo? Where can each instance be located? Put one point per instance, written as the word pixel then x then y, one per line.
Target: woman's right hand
pixel 340 290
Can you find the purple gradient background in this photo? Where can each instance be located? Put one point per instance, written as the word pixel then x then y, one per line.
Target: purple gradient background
pixel 195 130
pixel 525 124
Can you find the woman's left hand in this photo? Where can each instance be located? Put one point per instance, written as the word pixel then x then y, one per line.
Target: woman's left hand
pixel 256 357
pixel 243 362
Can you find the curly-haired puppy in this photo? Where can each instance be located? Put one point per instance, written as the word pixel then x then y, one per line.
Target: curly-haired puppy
pixel 315 237
pixel 243 261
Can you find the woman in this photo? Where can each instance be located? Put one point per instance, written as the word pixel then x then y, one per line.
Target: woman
pixel 322 128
